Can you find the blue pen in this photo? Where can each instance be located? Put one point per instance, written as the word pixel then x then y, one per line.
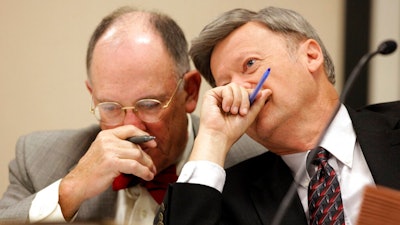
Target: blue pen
pixel 259 85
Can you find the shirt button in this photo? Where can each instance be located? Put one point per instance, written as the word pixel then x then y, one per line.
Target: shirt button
pixel 143 213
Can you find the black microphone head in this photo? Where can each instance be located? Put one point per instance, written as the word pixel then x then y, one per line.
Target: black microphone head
pixel 387 47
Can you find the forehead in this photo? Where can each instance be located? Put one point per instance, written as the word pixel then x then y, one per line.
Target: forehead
pixel 245 38
pixel 253 39
pixel 130 61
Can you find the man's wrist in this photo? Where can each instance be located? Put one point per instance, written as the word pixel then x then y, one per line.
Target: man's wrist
pixel 211 147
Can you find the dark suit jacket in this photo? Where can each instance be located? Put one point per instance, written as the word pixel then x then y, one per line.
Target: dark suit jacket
pixel 254 188
pixel 46 156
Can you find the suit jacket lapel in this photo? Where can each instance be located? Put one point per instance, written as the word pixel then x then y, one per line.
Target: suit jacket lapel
pixel 268 191
pixel 379 138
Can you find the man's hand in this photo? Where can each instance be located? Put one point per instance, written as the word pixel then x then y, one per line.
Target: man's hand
pixel 225 116
pixel 108 156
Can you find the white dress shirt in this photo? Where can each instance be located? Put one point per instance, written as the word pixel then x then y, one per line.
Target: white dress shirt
pixel 348 162
pixel 135 205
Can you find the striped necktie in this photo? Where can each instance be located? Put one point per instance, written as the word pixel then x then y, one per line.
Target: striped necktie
pixel 324 198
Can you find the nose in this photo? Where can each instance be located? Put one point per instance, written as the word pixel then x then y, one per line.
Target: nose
pixel 132 119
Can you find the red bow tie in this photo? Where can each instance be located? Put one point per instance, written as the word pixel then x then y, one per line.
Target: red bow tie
pixel 156 187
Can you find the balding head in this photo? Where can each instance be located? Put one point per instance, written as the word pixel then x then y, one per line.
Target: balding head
pixel 130 24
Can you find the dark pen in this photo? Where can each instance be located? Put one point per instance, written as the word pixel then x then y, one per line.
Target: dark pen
pixel 140 139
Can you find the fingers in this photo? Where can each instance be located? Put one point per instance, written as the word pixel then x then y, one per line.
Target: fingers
pixel 235 99
pixel 131 159
pixel 124 155
pixel 225 115
pixel 110 155
pixel 127 131
pixel 225 110
pixel 135 167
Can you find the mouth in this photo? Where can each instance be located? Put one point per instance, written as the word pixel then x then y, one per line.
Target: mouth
pixel 147 149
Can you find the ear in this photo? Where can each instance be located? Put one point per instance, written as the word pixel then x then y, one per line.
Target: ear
pixel 192 84
pixel 315 58
pixel 89 87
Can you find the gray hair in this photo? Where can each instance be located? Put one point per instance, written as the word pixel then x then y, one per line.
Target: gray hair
pixel 171 34
pixel 288 23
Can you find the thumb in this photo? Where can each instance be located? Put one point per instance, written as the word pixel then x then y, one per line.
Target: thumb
pixel 259 103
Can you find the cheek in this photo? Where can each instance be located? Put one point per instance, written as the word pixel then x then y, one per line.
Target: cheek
pixel 158 129
pixel 175 127
pixel 172 126
pixel 169 127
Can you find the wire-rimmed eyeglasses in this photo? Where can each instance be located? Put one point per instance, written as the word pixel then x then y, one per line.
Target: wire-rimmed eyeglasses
pixel 148 110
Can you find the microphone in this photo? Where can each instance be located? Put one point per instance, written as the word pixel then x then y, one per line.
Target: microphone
pixel 385 48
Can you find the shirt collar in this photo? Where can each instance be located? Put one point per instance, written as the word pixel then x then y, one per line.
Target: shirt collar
pixel 339 140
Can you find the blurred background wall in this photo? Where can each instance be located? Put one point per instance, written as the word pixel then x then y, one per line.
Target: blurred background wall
pixel 43 45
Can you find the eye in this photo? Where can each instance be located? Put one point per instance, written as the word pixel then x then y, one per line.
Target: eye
pixel 250 65
pixel 148 105
pixel 109 107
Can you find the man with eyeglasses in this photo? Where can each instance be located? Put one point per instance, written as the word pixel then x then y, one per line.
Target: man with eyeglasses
pixel 141 84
